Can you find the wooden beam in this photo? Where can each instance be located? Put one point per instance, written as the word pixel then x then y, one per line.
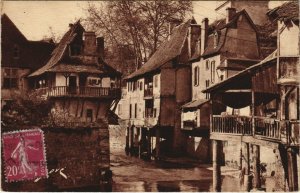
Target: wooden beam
pixel 247 139
pixel 234 91
pixel 238 91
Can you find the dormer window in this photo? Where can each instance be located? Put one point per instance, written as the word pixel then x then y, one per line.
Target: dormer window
pixel 16 52
pixel 75 49
pixel 215 39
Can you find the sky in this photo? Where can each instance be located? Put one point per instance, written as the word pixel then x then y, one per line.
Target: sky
pixel 33 18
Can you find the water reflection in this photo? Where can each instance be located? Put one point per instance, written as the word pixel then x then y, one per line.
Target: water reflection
pixel 229 184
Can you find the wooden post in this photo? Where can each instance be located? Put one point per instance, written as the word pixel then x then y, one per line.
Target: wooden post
pixel 253 111
pixel 247 180
pixel 256 167
pixel 127 141
pixel 149 143
pixel 157 134
pixel 216 166
pixel 292 170
pixel 131 140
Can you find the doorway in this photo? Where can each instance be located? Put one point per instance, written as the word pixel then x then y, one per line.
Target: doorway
pixel 72 84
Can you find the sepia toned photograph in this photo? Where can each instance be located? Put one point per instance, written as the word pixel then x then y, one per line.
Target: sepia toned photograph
pixel 150 96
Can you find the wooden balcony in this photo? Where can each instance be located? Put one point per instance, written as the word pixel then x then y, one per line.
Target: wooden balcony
pixel 231 124
pixel 286 131
pixel 93 92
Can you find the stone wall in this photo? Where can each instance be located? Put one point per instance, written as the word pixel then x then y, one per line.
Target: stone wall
pixel 81 154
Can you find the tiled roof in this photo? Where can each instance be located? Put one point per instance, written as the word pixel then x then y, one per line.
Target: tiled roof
pixel 220 26
pixel 194 104
pixel 32 55
pixel 168 50
pixel 75 68
pixel 59 63
pixel 210 47
pixel 287 11
pixel 60 50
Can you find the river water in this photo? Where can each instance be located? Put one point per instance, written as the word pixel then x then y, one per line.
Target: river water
pixel 132 174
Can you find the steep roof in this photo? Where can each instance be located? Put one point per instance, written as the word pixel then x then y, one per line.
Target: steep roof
pixel 32 54
pixel 168 50
pixel 220 26
pixel 287 11
pixel 9 27
pixel 59 63
pixel 59 51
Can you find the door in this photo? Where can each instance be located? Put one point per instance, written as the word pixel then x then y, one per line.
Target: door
pixel 72 84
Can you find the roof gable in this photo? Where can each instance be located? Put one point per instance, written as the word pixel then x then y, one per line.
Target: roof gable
pixel 168 51
pixel 219 28
pixel 60 50
pixel 10 29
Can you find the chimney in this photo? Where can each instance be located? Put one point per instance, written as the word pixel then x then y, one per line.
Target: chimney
pixel 195 32
pixel 100 46
pixel 204 34
pixel 172 24
pixel 90 47
pixel 230 13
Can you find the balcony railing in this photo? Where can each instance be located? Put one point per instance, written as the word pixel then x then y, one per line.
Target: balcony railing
pixel 285 131
pixel 232 124
pixel 148 92
pixel 267 127
pixel 60 91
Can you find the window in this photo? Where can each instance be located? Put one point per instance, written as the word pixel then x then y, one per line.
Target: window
pixel 75 49
pixel 89 115
pixel 130 109
pixel 212 72
pixel 135 110
pixel 155 81
pixel 10 79
pixel 215 39
pixel 154 112
pixel 221 77
pixel 207 85
pixel 16 51
pixel 141 85
pixel 207 64
pixel 196 76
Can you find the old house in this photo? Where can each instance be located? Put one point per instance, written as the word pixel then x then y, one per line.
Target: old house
pixel 158 89
pixel 256 9
pixel 19 57
pixel 271 90
pixel 228 46
pixel 82 88
pixel 77 78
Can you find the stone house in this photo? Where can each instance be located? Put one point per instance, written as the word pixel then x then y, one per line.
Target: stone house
pixel 19 57
pixel 228 46
pixel 156 92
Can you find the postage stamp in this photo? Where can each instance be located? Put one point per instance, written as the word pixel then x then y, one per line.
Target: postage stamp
pixel 24 155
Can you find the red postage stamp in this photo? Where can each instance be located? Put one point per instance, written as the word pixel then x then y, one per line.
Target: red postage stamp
pixel 24 155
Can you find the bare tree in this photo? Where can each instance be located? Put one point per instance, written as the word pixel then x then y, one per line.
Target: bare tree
pixel 141 24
